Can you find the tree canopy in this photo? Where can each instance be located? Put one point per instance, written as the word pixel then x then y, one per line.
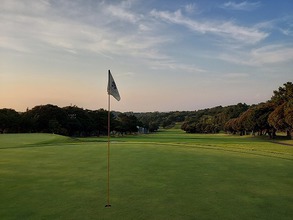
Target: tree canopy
pixel 274 115
pixel 70 120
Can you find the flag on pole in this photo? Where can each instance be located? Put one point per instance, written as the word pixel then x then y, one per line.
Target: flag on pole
pixel 112 88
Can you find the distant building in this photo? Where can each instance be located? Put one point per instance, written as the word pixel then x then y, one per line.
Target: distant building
pixel 142 130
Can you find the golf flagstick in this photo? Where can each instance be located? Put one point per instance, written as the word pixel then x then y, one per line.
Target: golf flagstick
pixel 112 90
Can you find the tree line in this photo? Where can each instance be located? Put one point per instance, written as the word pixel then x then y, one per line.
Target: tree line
pixel 70 121
pixel 212 120
pixel 268 117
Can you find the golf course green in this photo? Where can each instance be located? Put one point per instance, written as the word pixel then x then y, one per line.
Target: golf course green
pixel 166 175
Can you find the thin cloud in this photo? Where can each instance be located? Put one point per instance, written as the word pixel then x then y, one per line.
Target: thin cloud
pixel 287 26
pixel 13 44
pixel 273 54
pixel 23 7
pixel 284 25
pixel 122 14
pixel 190 8
pixel 226 29
pixel 172 65
pixel 242 6
pixel 287 32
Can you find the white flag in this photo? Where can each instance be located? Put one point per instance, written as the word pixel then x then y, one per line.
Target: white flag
pixel 112 88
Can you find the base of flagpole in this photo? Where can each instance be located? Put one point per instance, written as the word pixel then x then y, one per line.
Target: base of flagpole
pixel 108 206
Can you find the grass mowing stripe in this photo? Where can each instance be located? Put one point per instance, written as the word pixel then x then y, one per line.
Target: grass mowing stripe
pixel 281 155
pixel 255 151
pixel 32 140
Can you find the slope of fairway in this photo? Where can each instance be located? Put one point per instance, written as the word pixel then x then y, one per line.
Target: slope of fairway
pixel 30 139
pixel 169 175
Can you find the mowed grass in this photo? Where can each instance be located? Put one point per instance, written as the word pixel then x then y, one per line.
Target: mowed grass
pixel 30 140
pixel 168 175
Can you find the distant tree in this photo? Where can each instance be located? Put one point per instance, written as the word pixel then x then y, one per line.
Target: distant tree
pixel 260 115
pixel 45 118
pixel 230 126
pixel 214 119
pixel 185 127
pixel 236 126
pixel 282 116
pixel 255 119
pixel 153 126
pixel 100 121
pixel 55 127
pixel 150 120
pixel 168 122
pixel 247 121
pixel 277 118
pixel 127 123
pixel 9 121
pixel 78 121
pixel 288 113
pixel 234 111
pixel 283 94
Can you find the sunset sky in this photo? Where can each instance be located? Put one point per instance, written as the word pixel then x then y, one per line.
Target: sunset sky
pixel 165 55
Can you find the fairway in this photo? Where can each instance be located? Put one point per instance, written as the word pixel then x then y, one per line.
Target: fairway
pixel 167 175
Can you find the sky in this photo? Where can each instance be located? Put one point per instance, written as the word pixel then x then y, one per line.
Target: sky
pixel 165 55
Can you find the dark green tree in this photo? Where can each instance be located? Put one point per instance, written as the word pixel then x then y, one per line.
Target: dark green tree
pixel 45 118
pixel 127 123
pixel 9 121
pixel 281 118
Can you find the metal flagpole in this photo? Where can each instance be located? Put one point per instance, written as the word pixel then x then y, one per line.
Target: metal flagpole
pixel 108 186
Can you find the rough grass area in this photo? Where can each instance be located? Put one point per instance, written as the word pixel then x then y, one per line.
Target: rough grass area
pixel 168 175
